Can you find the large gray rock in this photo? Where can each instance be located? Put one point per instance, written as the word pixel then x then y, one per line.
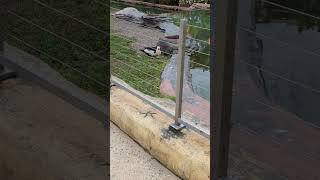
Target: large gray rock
pixel 160 21
pixel 130 12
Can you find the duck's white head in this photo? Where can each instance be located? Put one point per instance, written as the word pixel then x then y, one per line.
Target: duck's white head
pixel 158 51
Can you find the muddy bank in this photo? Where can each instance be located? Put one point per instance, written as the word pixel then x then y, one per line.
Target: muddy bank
pixel 39 140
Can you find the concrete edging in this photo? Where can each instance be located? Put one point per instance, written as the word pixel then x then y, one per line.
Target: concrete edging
pixel 187 154
pixel 31 67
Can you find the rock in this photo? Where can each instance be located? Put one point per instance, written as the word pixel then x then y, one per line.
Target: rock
pixel 170 28
pixel 154 20
pixel 161 21
pixel 168 46
pixel 129 12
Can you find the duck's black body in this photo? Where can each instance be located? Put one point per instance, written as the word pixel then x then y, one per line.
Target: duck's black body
pixel 173 37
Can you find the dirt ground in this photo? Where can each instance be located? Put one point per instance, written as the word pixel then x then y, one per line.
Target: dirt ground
pixel 144 37
pixel 43 137
pixel 131 161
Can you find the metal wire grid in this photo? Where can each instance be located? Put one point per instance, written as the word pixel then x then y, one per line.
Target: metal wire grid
pixel 245 62
pixel 141 84
pixel 60 37
pixel 196 87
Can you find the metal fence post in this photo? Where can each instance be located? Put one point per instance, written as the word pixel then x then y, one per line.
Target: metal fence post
pixel 221 93
pixel 180 74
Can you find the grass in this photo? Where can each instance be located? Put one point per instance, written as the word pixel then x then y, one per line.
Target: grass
pixel 138 70
pixel 47 45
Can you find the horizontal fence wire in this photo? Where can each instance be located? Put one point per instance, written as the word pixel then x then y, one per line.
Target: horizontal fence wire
pixel 193 26
pixel 199 64
pixel 199 52
pixel 280 41
pixel 131 49
pixel 198 87
pixel 149 7
pixel 57 60
pixel 194 86
pixel 198 27
pixel 281 77
pixel 58 36
pixel 202 41
pixel 279 110
pixel 140 5
pixel 275 140
pixel 136 85
pixel 134 59
pixel 135 76
pixel 152 38
pixel 123 37
pixel 122 68
pixel 71 17
pixel 127 57
pixel 130 66
pixel 290 9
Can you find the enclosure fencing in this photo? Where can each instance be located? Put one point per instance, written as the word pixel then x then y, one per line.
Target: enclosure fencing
pixel 27 31
pixel 143 72
pixel 75 45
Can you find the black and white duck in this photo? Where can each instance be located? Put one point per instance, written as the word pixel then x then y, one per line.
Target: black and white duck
pixel 152 51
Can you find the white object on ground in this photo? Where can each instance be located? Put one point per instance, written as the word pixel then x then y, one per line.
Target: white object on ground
pixel 152 52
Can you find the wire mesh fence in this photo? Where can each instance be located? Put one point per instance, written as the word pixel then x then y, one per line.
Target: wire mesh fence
pixel 276 93
pixel 132 45
pixel 71 37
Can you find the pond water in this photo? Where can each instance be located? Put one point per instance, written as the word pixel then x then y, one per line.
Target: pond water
pixel 199 29
pixel 277 89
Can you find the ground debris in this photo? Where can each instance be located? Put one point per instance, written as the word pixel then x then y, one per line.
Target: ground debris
pixel 148 113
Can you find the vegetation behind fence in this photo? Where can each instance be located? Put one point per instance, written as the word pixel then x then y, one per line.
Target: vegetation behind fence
pixel 70 36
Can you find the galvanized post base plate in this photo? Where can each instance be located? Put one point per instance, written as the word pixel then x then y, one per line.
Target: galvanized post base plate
pixel 177 127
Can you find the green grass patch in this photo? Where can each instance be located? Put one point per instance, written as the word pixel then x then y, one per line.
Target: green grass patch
pixel 137 69
pixel 54 50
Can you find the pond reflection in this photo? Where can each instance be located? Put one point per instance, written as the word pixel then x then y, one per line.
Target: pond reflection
pixel 277 85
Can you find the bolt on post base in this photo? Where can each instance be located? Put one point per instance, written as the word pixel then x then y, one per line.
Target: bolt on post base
pixel 177 126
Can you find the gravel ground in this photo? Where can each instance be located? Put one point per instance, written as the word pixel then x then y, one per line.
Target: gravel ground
pixel 144 36
pixel 40 141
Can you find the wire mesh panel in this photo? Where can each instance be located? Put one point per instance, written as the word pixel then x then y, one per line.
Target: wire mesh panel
pixel 276 104
pixel 196 94
pixel 137 32
pixel 70 36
